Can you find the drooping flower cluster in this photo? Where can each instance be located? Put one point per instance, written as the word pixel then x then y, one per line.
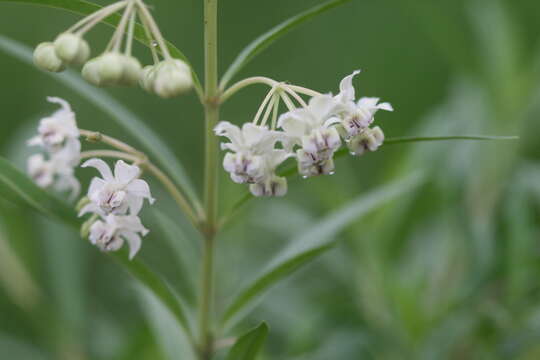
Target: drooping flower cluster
pixel 311 134
pixel 58 137
pixel 168 77
pixel 117 199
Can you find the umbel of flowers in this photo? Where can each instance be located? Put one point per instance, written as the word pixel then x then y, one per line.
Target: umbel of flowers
pixel 116 66
pixel 114 200
pixel 309 133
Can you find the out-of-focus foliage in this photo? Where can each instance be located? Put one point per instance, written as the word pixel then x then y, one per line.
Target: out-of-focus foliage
pixel 447 272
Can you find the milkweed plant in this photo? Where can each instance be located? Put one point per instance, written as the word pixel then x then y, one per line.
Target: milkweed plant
pixel 294 128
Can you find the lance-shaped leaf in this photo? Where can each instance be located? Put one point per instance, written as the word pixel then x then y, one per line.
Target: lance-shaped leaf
pixel 86 8
pixel 16 186
pixel 315 241
pixel 248 346
pixel 131 123
pixel 266 39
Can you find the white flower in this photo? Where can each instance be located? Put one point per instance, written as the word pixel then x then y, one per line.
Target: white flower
pixel 368 140
pixel 312 128
pixel 357 116
pixel 58 170
pixel 58 129
pixel 109 235
pixel 116 194
pixel 250 146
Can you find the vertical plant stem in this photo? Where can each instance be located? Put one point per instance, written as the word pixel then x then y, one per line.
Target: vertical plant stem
pixel 211 104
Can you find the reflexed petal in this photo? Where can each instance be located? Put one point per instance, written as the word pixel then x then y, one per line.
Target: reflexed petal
pixel 323 106
pixel 346 88
pixel 253 134
pixel 233 132
pixel 95 186
pixel 134 242
pixel 293 125
pixel 140 188
pixel 135 205
pixel 90 208
pixel 101 166
pixel 63 103
pixel 125 173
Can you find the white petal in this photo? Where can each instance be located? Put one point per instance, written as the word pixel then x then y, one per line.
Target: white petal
pixel 346 89
pixel 385 106
pixel 292 124
pixel 101 166
pixel 323 106
pixel 63 103
pixel 89 208
pixel 141 189
pixel 134 242
pixel 253 134
pixel 135 205
pixel 95 186
pixel 233 132
pixel 125 173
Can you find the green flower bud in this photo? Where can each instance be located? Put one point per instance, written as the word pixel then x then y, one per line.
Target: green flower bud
pixel 111 69
pixel 45 58
pixel 132 71
pixel 172 78
pixel 90 71
pixel 147 78
pixel 72 49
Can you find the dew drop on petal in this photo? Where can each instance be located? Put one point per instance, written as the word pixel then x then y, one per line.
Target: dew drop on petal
pixel 352 153
pixel 331 173
pixel 154 43
pixel 304 176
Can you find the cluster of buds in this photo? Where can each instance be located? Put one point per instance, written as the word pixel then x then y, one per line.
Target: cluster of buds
pixel 58 137
pixel 114 200
pixel 167 77
pixel 311 133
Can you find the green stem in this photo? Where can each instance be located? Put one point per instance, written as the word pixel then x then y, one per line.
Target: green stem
pixel 211 105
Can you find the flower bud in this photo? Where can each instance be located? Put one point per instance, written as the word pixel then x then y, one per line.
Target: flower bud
pixel 147 78
pixel 111 69
pixel 45 58
pixel 274 186
pixel 368 140
pixel 72 49
pixel 132 71
pixel 172 78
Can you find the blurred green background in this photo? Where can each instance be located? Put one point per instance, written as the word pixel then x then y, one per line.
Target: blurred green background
pixel 449 271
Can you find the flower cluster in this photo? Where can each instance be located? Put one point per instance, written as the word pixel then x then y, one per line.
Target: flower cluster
pixel 311 134
pixel 116 66
pixel 114 200
pixel 58 136
pixel 117 200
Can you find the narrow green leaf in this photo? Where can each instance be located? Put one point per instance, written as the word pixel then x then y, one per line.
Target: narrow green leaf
pixel 134 125
pixel 171 338
pixel 315 241
pixel 266 39
pixel 405 139
pixel 16 185
pixel 86 8
pixel 248 346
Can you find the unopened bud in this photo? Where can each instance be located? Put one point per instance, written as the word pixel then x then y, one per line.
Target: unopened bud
pixel 72 49
pixel 147 78
pixel 172 78
pixel 45 58
pixel 132 71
